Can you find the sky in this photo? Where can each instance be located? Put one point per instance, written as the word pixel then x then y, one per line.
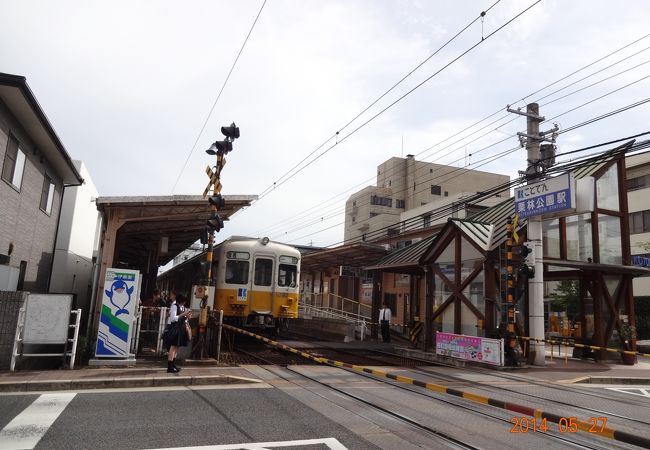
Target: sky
pixel 128 86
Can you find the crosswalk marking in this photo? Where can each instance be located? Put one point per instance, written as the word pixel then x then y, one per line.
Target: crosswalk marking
pixel 330 443
pixel 28 427
pixel 633 391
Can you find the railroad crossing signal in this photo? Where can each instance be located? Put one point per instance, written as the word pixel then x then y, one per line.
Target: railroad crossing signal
pixel 216 201
pixel 214 179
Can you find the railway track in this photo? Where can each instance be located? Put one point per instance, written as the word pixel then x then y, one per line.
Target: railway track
pixel 576 440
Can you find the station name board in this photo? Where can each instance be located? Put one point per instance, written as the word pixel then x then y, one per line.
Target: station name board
pixel 544 197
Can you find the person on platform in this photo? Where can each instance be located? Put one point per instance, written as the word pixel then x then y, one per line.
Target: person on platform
pixel 384 321
pixel 158 301
pixel 176 334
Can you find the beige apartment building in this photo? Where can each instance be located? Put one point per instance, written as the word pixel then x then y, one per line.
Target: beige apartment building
pixel 638 199
pixel 410 190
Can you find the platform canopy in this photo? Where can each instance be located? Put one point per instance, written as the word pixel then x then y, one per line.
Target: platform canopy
pixel 151 231
pixel 359 254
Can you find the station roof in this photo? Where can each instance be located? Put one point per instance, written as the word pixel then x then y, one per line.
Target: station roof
pixel 146 220
pixel 404 260
pixel 357 254
pixel 19 98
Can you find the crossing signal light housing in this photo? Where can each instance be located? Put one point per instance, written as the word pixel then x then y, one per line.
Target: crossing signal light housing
pixel 527 271
pixel 231 132
pixel 217 201
pixel 215 222
pixel 522 251
pixel 219 148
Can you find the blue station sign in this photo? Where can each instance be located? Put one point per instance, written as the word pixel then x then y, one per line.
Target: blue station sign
pixel 546 197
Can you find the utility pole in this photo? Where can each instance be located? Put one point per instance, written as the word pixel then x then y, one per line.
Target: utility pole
pixel 534 235
pixel 534 172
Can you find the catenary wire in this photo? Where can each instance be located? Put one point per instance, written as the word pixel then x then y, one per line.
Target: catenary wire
pixel 447 209
pixel 205 123
pixel 451 173
pixel 509 121
pixel 369 236
pixel 373 103
pixel 537 91
pixel 382 111
pixel 582 68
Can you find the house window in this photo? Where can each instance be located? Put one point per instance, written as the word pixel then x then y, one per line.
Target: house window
pixel 381 201
pixel 14 163
pixel 399 204
pixel 426 221
pixel 47 195
pixel 392 232
pixel 640 222
pixel 638 183
pixel 435 190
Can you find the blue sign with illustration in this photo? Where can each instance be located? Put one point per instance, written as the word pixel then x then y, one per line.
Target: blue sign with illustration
pixel 120 295
pixel 548 196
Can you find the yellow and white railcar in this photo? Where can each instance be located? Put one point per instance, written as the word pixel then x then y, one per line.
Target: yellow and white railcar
pixel 257 282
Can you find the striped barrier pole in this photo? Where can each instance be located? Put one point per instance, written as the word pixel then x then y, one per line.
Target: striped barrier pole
pixel 589 347
pixel 570 424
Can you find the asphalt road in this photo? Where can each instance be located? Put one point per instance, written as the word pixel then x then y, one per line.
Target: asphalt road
pixel 178 418
pixel 293 412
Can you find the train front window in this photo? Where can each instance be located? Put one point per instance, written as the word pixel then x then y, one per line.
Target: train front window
pixel 287 275
pixel 236 272
pixel 263 272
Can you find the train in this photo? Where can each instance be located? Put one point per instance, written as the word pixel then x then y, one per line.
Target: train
pixel 257 283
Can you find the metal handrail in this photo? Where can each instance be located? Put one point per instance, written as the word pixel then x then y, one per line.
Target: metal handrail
pixel 331 313
pixel 337 302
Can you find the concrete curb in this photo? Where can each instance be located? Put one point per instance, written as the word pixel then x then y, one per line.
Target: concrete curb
pixel 127 382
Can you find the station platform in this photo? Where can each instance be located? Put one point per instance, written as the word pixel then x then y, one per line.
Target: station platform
pixel 152 373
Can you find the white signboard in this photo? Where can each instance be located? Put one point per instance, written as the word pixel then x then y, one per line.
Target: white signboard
pixel 544 197
pixel 119 304
pixel 47 318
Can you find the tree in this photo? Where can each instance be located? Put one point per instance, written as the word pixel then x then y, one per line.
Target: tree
pixel 566 297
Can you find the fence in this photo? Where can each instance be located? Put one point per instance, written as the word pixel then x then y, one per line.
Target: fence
pixel 150 324
pixel 10 304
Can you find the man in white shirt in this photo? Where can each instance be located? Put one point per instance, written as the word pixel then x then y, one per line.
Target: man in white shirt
pixel 384 321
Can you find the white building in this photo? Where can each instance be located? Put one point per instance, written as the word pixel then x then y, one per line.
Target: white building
pixel 77 242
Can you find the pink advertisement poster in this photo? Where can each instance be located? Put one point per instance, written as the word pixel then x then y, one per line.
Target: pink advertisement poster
pixel 470 348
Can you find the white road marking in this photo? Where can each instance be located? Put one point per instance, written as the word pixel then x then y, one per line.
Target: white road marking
pixel 330 442
pixel 28 427
pixel 642 392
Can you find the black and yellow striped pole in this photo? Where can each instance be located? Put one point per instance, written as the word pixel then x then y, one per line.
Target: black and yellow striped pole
pixel 215 222
pixel 510 297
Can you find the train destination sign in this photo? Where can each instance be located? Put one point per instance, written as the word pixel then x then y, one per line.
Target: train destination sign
pixel 544 197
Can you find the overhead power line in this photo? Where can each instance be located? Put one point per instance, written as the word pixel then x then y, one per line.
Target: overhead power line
pixel 207 119
pixel 382 111
pixel 448 209
pixel 373 103
pixel 319 206
pixel 454 172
